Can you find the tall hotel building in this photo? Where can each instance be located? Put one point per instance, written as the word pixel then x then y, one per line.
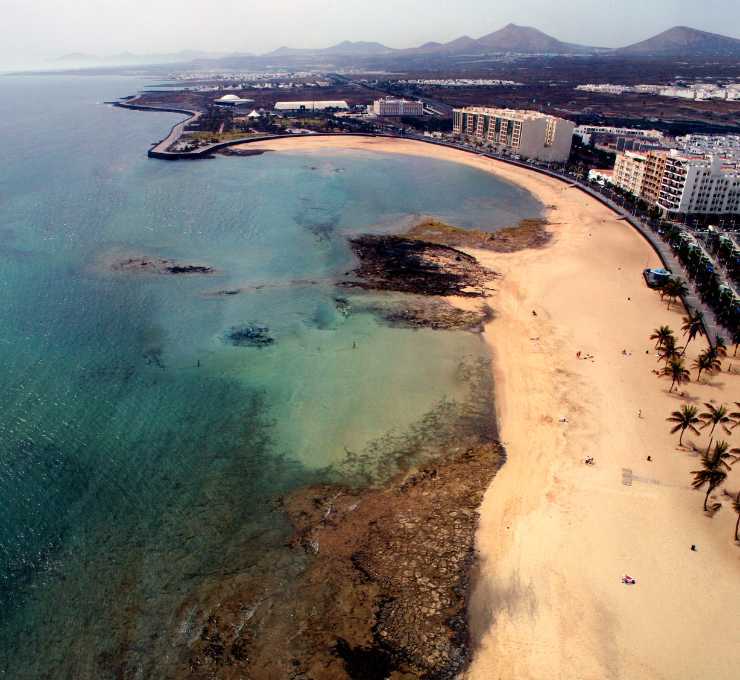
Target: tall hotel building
pixel 527 133
pixel 699 185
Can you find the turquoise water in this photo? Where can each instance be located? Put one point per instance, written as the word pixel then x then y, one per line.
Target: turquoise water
pixel 140 452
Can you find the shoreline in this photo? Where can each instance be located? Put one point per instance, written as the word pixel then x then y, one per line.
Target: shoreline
pixel 535 616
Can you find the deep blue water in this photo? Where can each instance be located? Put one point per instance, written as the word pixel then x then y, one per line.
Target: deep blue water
pixel 138 448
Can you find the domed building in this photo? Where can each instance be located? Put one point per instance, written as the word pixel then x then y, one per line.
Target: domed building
pixel 231 100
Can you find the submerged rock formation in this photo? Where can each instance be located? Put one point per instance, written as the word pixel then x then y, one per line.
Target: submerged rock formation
pixel 384 591
pixel 426 312
pixel 416 266
pixel 249 335
pixel 157 265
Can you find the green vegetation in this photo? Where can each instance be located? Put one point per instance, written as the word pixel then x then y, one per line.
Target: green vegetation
pixel 685 419
pixel 714 415
pixel 693 325
pixel 713 471
pixel 662 335
pixel 676 370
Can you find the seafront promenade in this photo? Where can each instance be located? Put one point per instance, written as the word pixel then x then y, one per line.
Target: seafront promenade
pixel 161 150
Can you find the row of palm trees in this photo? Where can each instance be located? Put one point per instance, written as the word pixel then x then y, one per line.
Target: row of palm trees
pixel 671 352
pixel 715 462
pixel 708 282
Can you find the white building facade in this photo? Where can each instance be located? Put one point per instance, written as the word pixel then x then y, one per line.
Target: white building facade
pixel 397 107
pixel 699 185
pixel 529 134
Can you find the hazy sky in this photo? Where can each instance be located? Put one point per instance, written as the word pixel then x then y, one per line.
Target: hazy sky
pixel 42 28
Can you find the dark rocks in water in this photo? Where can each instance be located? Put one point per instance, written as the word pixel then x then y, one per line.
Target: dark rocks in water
pixel 399 558
pixel 250 335
pixel 235 151
pixel 188 269
pixel 423 312
pixel 371 576
pixel 158 265
pixel 390 262
pixel 343 306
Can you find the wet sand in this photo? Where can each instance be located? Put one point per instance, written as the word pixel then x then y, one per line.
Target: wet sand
pixel 555 535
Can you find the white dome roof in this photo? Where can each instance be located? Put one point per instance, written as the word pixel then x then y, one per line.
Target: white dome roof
pixel 230 98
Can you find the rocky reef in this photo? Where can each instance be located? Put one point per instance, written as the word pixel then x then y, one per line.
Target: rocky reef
pixel 157 265
pixel 249 335
pixel 408 265
pixel 428 312
pixel 384 591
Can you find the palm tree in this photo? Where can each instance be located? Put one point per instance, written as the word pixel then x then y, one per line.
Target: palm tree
pixel 661 335
pixel 693 325
pixel 720 347
pixel 736 508
pixel 706 361
pixel 714 415
pixel 675 288
pixel 668 350
pixel 685 419
pixel 736 340
pixel 677 372
pixel 713 472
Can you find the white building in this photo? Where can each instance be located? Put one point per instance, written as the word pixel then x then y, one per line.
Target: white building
pixel 337 105
pixel 602 177
pixel 700 185
pixel 629 172
pixel 231 100
pixel 397 107
pixel 529 134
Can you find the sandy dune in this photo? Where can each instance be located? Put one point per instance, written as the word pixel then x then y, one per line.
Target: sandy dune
pixel 556 535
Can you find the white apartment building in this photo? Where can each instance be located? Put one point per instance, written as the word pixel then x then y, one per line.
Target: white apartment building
pixel 699 185
pixel 397 107
pixel 529 134
pixel 629 172
pixel 618 131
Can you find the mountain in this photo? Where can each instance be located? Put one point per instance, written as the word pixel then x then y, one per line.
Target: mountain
pixel 525 39
pixel 682 41
pixel 510 38
pixel 358 48
pixel 346 48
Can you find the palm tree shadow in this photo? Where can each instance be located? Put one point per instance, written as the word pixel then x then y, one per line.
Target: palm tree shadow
pixel 684 396
pixel 692 449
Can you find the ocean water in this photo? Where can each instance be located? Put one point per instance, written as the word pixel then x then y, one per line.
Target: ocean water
pixel 141 451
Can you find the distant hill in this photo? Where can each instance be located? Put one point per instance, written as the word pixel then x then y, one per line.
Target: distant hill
pixel 129 59
pixel 345 48
pixel 684 41
pixel 511 38
pixel 525 39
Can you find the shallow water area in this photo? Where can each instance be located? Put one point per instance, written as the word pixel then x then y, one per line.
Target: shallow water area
pixel 140 450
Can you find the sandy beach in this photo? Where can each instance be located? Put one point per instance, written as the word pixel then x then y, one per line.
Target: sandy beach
pixel 555 535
